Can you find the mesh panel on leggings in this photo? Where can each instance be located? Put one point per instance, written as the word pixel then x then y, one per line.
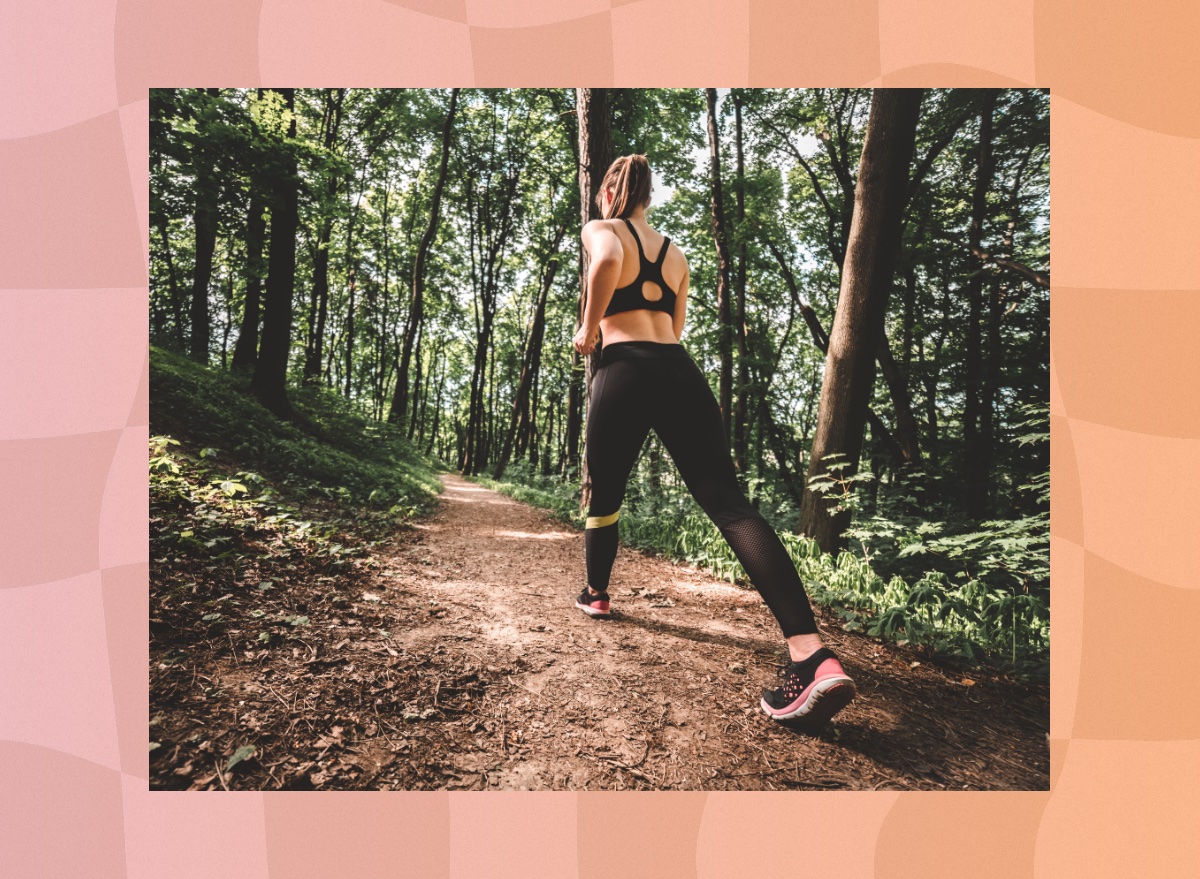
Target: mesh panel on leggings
pixel 772 572
pixel 600 550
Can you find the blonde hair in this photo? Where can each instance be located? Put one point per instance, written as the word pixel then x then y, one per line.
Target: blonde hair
pixel 629 177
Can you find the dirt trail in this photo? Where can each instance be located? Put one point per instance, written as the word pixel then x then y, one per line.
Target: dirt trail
pixel 532 693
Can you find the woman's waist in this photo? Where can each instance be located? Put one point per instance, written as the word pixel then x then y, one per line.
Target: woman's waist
pixel 641 349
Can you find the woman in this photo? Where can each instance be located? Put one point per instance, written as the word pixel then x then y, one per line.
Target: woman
pixel 646 380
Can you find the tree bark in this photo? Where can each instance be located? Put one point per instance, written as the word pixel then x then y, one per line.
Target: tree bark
pixel 862 301
pixel 270 374
pixel 595 155
pixel 351 285
pixel 906 437
pixel 494 225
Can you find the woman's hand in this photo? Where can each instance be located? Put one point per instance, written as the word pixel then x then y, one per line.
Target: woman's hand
pixel 583 344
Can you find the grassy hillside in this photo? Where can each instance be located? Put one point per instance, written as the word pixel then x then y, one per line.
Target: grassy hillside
pixel 330 451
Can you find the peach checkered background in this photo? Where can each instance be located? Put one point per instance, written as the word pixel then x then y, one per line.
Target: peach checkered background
pixel 1125 403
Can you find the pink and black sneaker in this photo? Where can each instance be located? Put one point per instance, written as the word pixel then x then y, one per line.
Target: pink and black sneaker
pixel 593 605
pixel 813 691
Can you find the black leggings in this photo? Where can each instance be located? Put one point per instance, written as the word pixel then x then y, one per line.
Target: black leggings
pixel 644 385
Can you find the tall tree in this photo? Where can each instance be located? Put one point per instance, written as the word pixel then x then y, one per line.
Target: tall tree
pixel 207 192
pixel 492 187
pixel 739 413
pixel 318 313
pixel 595 155
pixel 862 300
pixel 975 456
pixel 416 310
pixel 724 309
pixel 270 373
pixel 533 353
pixel 245 351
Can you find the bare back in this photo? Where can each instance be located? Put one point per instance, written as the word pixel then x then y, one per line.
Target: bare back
pixel 643 324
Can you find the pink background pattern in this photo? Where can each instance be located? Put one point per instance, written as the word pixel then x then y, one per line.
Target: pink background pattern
pixel 1125 735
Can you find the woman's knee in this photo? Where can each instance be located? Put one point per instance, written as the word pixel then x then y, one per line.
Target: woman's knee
pixel 725 506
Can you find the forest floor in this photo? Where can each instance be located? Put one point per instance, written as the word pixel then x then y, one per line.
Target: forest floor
pixel 457 660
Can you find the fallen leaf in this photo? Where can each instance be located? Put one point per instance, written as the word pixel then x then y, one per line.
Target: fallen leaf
pixel 239 755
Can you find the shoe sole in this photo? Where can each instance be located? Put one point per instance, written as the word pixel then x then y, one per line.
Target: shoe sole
pixel 827 699
pixel 592 612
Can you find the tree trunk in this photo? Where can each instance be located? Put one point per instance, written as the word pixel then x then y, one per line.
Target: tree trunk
pixel 245 351
pixel 416 309
pixel 176 292
pixel 270 373
pixel 740 426
pixel 319 313
pixel 437 411
pixel 350 283
pixel 906 424
pixel 533 356
pixel 207 192
pixel 821 340
pixel 724 310
pixel 779 448
pixel 595 155
pixel 228 327
pixel 975 463
pixel 494 226
pixel 862 301
pixel 416 367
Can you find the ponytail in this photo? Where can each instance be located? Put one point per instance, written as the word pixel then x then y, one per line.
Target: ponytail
pixel 629 178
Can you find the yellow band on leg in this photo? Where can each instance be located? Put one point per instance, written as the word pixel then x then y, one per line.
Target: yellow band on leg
pixel 601 521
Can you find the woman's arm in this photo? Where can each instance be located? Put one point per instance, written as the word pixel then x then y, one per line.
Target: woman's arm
pixel 604 248
pixel 681 304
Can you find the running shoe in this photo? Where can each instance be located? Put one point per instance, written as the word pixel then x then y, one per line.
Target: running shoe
pixel 813 691
pixel 593 605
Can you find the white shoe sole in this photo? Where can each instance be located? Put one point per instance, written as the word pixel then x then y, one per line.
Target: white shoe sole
pixel 827 698
pixel 591 611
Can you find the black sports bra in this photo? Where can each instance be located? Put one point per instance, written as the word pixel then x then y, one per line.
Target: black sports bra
pixel 630 296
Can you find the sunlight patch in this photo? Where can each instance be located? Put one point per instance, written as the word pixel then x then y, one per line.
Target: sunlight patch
pixel 523 535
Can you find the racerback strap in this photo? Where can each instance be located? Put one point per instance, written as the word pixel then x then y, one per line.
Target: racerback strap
pixel 634 233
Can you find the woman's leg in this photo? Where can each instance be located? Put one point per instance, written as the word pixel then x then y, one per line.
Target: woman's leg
pixel 688 420
pixel 618 421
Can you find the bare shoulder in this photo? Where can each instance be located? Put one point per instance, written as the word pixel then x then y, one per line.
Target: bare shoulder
pixel 591 227
pixel 601 241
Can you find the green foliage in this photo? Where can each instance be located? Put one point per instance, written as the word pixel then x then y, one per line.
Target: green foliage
pixel 838 485
pixel 999 568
